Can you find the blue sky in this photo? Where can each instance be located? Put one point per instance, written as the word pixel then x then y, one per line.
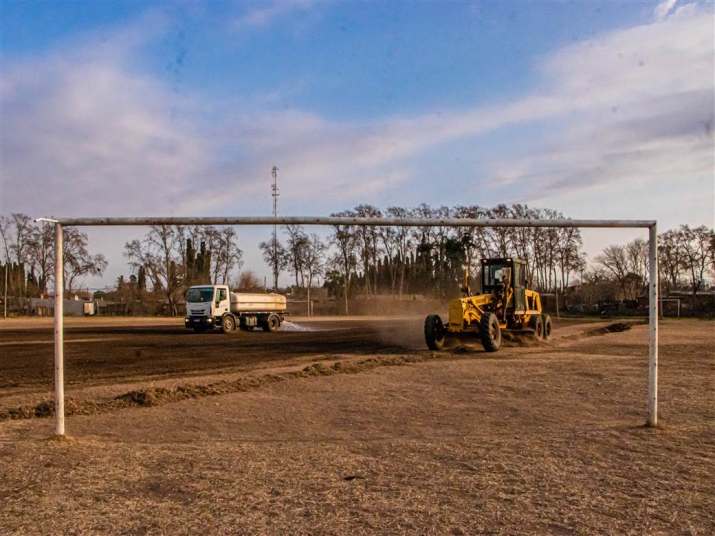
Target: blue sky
pixel 344 59
pixel 598 109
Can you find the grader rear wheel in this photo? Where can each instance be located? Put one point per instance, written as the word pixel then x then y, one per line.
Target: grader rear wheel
pixel 537 324
pixel 490 332
pixel 546 320
pixel 434 332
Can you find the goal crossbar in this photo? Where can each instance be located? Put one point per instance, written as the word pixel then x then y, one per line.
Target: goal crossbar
pixel 651 225
pixel 349 220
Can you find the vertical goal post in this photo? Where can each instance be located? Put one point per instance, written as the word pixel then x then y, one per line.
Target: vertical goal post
pixel 651 225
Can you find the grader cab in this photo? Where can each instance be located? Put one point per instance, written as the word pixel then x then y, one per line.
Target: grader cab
pixel 505 303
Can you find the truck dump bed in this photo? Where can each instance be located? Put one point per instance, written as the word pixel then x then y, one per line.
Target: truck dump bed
pixel 244 302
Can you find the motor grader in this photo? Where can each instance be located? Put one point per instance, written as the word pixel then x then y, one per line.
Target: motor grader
pixel 504 304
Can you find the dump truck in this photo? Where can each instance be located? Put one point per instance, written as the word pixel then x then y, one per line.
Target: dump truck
pixel 505 303
pixel 210 307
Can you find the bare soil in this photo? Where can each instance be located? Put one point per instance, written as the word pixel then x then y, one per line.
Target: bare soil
pixel 356 428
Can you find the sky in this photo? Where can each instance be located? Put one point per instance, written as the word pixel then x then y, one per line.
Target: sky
pixel 599 109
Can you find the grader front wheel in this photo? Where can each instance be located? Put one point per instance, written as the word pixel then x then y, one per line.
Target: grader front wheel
pixel 490 332
pixel 434 332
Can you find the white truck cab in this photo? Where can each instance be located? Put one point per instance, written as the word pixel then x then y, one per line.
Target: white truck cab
pixel 215 306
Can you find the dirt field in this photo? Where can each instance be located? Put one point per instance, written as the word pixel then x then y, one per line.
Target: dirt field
pixel 354 428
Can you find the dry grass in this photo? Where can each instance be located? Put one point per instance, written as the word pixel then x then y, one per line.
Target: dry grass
pixel 533 440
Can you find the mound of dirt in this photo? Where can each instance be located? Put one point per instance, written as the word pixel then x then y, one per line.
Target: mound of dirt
pixel 616 327
pixel 155 396
pixel 144 397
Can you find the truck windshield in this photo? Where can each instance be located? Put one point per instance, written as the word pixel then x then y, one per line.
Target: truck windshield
pixel 197 295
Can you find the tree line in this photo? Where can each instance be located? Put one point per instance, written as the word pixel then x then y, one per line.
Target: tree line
pixel 29 258
pixel 432 260
pixel 685 255
pixel 424 260
pixel 357 259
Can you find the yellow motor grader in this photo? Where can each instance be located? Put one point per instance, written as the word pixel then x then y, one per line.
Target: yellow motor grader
pixel 504 304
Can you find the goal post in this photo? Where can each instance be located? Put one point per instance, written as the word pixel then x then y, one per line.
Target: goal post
pixel 652 325
pixel 59 367
pixel 651 225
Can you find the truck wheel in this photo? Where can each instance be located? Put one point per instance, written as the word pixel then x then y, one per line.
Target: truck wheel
pixel 272 323
pixel 434 332
pixel 228 323
pixel 490 332
pixel 546 320
pixel 537 324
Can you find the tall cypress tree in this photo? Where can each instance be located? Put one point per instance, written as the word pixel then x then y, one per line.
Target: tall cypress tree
pixel 141 278
pixel 190 263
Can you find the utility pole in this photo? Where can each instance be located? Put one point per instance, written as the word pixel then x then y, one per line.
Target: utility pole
pixel 275 194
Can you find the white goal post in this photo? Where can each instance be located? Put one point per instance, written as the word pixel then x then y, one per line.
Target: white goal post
pixel 651 225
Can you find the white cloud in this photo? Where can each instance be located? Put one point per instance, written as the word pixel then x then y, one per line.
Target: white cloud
pixel 80 135
pixel 640 105
pixel 664 8
pixel 264 13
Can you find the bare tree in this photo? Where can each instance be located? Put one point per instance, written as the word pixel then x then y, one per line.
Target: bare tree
pixel 369 246
pixel 671 257
pixel 568 253
pixel 5 235
pixel 39 250
pixel 275 256
pixel 388 236
pixel 637 254
pixel 296 250
pixel 628 266
pixel 346 241
pixel 469 237
pixel 499 236
pixel 225 253
pixel 696 245
pixel 24 229
pixel 615 261
pixel 403 242
pixel 78 261
pixel 160 253
pixel 313 263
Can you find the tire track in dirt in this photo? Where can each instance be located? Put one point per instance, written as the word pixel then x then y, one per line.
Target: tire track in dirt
pixel 51 341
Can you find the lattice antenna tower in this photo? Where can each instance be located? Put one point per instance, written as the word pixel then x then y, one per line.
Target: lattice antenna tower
pixel 275 194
